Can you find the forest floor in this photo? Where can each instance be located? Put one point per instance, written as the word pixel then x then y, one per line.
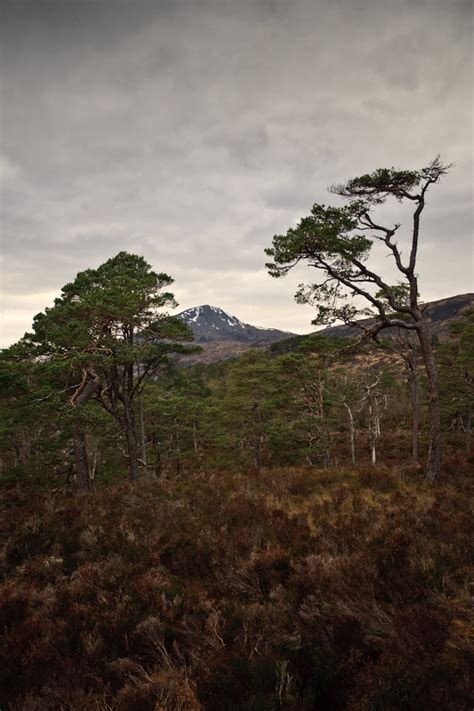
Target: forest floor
pixel 300 589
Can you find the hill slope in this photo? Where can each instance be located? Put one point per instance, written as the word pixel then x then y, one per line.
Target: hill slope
pixel 223 336
pixel 441 315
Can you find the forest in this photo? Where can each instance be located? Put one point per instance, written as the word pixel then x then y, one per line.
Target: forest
pixel 287 529
pixel 315 402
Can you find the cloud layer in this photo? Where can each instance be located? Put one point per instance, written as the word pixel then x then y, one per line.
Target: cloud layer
pixel 191 132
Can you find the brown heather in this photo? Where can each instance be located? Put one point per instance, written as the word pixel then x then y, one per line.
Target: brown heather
pixel 302 590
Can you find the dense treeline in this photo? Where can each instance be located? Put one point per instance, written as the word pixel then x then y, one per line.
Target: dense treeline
pixel 321 404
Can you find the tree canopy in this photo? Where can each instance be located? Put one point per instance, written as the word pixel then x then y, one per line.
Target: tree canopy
pixel 109 335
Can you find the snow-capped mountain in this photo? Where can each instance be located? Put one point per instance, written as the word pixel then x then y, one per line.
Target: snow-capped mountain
pixel 211 324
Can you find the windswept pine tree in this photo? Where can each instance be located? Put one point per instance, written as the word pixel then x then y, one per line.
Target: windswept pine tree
pixel 333 240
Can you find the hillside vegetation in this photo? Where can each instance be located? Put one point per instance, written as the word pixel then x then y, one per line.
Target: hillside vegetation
pixel 298 589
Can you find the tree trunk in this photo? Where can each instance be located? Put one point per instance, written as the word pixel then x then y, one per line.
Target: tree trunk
pixel 94 470
pixel 142 432
pixel 80 452
pixel 373 455
pixel 415 412
pixel 132 449
pixel 372 435
pixel 436 438
pixel 85 392
pixel 351 432
pixel 129 418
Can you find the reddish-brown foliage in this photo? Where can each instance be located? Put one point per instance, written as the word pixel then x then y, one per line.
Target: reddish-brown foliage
pixel 300 590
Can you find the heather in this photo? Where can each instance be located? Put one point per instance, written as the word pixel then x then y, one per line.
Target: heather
pixel 299 588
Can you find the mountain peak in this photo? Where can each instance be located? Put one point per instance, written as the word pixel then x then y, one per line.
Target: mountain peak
pixel 211 323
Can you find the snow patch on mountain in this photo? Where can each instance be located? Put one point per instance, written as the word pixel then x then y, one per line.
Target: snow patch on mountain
pixel 211 323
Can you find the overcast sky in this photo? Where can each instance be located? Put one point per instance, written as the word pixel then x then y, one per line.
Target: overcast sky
pixel 192 131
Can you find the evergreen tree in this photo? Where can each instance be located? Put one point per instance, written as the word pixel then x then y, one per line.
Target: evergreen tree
pixel 333 241
pixel 108 332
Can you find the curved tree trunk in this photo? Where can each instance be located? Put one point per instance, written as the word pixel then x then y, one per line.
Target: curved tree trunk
pixel 88 388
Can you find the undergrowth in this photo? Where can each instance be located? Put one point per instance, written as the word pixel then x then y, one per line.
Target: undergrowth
pixel 303 590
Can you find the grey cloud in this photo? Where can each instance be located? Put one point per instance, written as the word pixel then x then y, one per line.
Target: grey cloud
pixel 193 132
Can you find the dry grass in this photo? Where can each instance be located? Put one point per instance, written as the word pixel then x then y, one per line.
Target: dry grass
pixel 301 590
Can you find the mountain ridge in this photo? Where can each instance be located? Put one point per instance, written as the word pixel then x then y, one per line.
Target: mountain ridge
pixel 440 316
pixel 439 313
pixel 223 336
pixel 211 324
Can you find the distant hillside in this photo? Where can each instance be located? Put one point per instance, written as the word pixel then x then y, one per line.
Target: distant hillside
pixel 440 313
pixel 222 335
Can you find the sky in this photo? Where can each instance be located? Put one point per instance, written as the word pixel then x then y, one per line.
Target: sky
pixel 192 131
